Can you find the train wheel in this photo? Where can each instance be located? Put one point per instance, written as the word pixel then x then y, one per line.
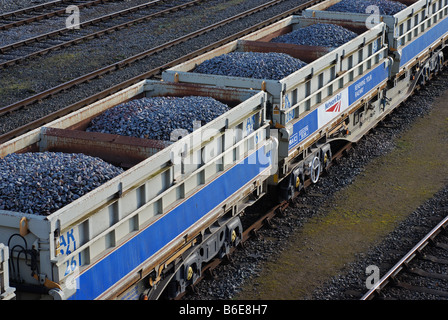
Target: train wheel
pixel 315 168
pixel 424 77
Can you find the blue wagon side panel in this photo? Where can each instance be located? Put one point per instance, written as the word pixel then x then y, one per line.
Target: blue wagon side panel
pixel 319 117
pixel 413 49
pixel 367 82
pixel 125 258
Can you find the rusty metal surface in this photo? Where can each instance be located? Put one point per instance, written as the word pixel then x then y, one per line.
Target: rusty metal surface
pixel 224 95
pixel 276 33
pixel 407 2
pixel 118 150
pixel 304 53
pixel 27 142
pixel 357 27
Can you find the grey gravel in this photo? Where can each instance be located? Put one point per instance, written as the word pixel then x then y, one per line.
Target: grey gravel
pixel 386 7
pixel 43 182
pixel 9 5
pixel 157 117
pixel 319 34
pixel 257 65
pixel 54 23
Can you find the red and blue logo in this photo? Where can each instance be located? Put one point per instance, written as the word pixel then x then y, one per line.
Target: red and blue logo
pixel 334 105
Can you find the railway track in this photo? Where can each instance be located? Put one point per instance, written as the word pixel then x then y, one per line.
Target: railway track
pixel 421 270
pixel 28 10
pixel 20 51
pixel 41 12
pixel 141 56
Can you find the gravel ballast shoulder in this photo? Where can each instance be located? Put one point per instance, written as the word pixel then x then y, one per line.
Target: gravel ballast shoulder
pixel 9 6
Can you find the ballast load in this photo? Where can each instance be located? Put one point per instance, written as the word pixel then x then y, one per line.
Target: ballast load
pixel 319 34
pixel 43 182
pixel 157 117
pixel 384 7
pixel 165 196
pixel 258 65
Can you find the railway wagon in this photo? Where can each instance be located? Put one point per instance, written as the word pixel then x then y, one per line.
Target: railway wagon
pixel 417 35
pixel 336 96
pixel 175 205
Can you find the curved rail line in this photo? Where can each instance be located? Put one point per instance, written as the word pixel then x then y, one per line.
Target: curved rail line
pixel 400 266
pixel 33 99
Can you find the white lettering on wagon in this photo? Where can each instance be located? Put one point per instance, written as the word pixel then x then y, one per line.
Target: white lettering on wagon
pixel 67 245
pixel 359 87
pixel 304 132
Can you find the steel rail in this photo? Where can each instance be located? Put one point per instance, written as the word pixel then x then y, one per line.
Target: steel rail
pixel 31 9
pixel 98 33
pixel 64 111
pixel 48 35
pixel 399 266
pixel 49 14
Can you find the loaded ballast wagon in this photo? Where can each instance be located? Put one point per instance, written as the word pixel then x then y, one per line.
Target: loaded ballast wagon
pixel 417 35
pixel 169 205
pixel 336 95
